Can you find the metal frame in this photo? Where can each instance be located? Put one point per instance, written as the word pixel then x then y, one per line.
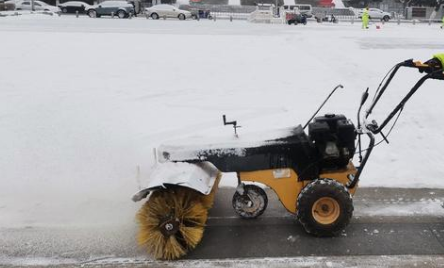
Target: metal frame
pixel 432 72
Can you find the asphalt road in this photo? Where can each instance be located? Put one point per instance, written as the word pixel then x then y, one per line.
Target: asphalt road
pixel 391 227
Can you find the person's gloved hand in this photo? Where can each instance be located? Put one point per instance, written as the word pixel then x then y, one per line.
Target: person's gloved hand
pixel 434 63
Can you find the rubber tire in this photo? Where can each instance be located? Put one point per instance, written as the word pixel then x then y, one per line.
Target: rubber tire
pixel 154 16
pixel 64 10
pixel 249 215
pixel 386 18
pixel 91 12
pixel 181 17
pixel 324 188
pixel 121 14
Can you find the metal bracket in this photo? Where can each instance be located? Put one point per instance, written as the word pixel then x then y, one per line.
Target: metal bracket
pixel 240 188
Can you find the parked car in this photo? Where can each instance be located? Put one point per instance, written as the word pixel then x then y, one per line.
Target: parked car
pixel 120 8
pixel 168 11
pixel 375 13
pixel 7 5
pixel 304 9
pixel 74 6
pixel 38 6
pixel 201 14
pixel 295 18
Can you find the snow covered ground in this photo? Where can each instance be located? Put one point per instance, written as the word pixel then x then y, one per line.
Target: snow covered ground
pixel 84 101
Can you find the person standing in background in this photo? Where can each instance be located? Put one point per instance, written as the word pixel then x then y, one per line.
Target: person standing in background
pixel 365 18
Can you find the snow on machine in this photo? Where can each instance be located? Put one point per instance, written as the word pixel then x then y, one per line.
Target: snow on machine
pixel 312 172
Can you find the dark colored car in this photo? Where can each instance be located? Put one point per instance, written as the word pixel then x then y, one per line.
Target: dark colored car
pixel 201 14
pixel 295 19
pixel 74 6
pixel 121 9
pixel 6 6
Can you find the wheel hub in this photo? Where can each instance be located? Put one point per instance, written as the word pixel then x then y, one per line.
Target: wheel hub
pixel 250 203
pixel 170 226
pixel 326 210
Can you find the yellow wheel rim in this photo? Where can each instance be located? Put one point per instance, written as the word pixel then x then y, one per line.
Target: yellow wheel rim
pixel 326 210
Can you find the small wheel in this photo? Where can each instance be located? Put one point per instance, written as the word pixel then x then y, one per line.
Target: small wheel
pixel 121 14
pixel 252 203
pixel 64 10
pixel 386 18
pixel 325 207
pixel 181 17
pixel 155 16
pixel 92 13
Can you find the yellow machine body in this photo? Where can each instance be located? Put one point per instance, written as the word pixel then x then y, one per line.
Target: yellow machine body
pixel 287 186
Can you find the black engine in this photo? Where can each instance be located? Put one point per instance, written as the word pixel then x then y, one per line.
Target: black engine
pixel 334 137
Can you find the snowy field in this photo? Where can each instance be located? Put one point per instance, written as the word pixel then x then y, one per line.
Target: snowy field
pixel 84 101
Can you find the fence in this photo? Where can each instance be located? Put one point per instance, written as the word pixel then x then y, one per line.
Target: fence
pixel 228 15
pixel 220 8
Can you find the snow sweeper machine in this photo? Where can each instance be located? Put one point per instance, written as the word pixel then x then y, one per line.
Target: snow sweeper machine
pixel 312 173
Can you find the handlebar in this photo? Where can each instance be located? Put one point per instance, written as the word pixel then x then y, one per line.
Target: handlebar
pixel 432 70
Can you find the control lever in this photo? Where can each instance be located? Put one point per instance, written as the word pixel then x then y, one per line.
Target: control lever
pixel 234 123
pixel 364 97
pixel 373 126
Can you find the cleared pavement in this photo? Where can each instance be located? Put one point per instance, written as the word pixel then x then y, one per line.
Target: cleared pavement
pixel 405 226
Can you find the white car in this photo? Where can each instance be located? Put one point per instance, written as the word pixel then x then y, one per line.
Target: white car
pixel 38 6
pixel 167 11
pixel 375 13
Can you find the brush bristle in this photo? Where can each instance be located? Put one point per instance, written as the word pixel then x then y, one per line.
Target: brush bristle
pixel 188 206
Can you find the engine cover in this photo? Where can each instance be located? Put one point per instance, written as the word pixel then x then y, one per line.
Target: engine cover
pixel 334 137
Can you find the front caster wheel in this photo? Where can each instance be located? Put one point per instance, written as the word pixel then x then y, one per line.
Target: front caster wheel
pixel 252 203
pixel 325 207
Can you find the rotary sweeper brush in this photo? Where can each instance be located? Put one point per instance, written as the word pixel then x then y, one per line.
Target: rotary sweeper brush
pixel 312 173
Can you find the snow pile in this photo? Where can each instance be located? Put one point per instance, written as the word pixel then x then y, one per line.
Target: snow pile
pixel 426 207
pixel 26 13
